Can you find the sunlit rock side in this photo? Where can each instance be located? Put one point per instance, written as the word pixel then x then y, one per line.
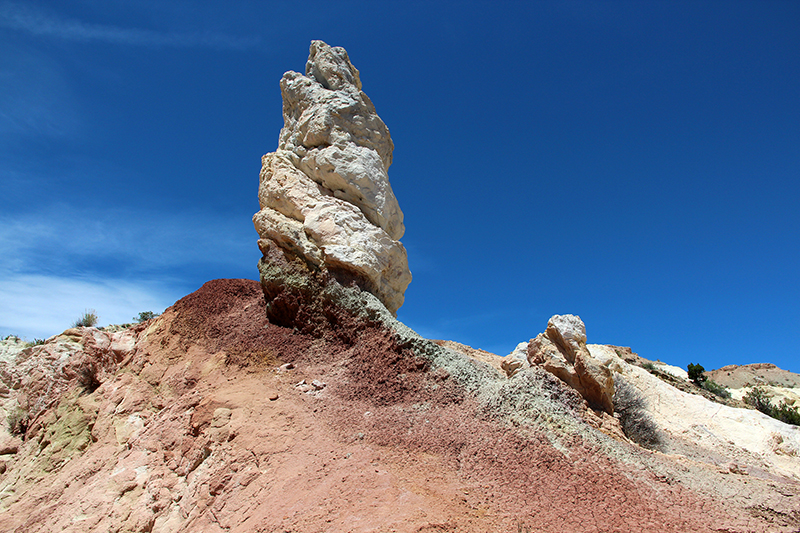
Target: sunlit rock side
pixel 10 347
pixel 516 360
pixel 561 350
pixel 324 193
pixel 731 439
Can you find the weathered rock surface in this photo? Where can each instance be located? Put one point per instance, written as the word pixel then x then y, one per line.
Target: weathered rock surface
pixel 568 333
pixel 324 194
pixel 10 347
pixel 493 360
pixel 561 350
pixel 517 360
pixel 709 432
pixel 197 424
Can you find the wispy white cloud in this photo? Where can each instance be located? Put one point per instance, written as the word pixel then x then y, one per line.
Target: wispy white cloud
pixel 36 99
pixel 122 240
pixel 48 24
pixel 37 306
pixel 58 261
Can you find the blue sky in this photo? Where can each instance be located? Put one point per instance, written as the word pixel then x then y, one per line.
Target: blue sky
pixel 634 163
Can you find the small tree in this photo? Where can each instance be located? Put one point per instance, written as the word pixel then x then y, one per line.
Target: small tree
pixel 696 373
pixel 144 316
pixel 757 397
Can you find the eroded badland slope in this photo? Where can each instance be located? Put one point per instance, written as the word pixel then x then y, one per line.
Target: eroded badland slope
pixel 198 425
pixel 300 404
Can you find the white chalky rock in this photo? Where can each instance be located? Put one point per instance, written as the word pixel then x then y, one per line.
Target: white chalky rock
pixel 516 360
pixel 324 193
pixel 562 351
pixel 568 332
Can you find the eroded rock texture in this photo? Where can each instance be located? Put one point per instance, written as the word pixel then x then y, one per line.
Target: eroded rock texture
pixel 562 351
pixel 208 418
pixel 324 194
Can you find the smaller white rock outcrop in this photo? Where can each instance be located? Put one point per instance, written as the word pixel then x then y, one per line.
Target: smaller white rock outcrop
pixel 516 360
pixel 562 351
pixel 324 193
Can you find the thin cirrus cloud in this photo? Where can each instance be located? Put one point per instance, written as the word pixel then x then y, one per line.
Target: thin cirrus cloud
pixel 39 306
pixel 37 100
pixel 42 23
pixel 60 261
pixel 137 241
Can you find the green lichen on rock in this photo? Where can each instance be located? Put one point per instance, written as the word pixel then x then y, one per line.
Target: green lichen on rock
pixel 65 432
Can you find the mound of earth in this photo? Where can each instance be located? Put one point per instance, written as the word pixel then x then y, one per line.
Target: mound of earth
pixel 777 385
pixel 211 419
pixel 739 376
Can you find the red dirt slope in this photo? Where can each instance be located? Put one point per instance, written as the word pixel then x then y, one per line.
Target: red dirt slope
pixel 198 429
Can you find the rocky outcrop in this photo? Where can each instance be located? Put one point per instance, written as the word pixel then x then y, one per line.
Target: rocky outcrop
pixel 210 418
pixel 516 360
pixel 324 194
pixel 562 351
pixel 10 347
pixel 41 374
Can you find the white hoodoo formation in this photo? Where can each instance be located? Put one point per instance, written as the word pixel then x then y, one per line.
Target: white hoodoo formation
pixel 324 193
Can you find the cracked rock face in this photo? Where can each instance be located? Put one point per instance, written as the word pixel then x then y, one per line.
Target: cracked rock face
pixel 324 194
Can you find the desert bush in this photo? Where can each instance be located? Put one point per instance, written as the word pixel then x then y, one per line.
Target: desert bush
pixel 17 421
pixel 696 373
pixel 87 378
pixel 757 397
pixel 784 412
pixel 88 319
pixel 650 367
pixel 787 413
pixel 712 386
pixel 35 342
pixel 144 316
pixel 629 405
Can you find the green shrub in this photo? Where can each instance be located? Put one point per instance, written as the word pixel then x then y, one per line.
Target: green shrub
pixel 35 342
pixel 696 373
pixel 712 386
pixel 144 316
pixel 88 319
pixel 636 423
pixel 757 397
pixel 786 413
pixel 650 367
pixel 17 421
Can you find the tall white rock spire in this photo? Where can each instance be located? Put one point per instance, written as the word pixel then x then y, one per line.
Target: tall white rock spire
pixel 324 193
